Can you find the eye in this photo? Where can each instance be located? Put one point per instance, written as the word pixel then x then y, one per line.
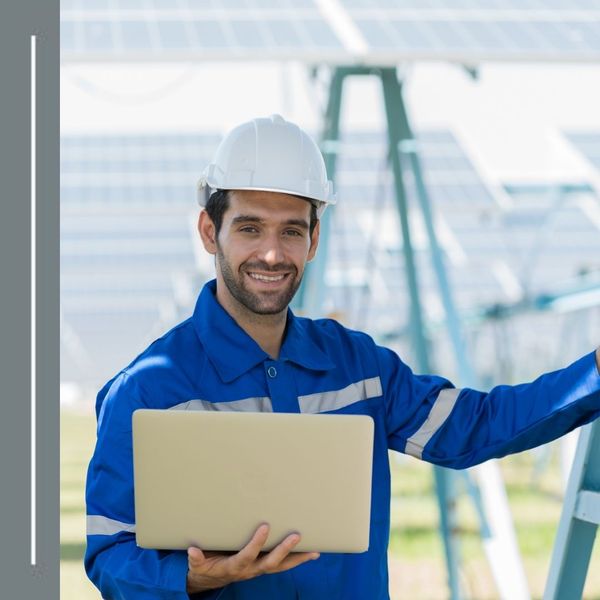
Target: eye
pixel 293 233
pixel 248 229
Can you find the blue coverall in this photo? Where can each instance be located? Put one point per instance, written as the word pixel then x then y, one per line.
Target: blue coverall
pixel 209 362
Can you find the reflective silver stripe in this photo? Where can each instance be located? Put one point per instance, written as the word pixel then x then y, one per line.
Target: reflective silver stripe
pixel 437 416
pixel 333 400
pixel 97 525
pixel 244 405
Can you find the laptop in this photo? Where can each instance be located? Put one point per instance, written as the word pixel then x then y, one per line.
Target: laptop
pixel 210 478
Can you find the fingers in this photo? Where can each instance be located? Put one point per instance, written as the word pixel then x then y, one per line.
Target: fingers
pixel 247 563
pixel 271 561
pixel 195 556
pixel 293 560
pixel 279 559
pixel 249 553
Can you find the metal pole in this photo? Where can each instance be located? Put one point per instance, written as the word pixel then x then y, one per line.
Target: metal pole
pixel 497 531
pixel 393 98
pixel 398 131
pixel 310 295
pixel 310 299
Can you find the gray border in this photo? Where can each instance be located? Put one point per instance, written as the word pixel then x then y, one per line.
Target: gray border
pixel 20 579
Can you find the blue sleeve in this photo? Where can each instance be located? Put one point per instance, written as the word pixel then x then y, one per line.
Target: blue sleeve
pixel 113 561
pixel 431 420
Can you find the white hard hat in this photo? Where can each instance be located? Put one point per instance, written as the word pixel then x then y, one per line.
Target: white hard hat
pixel 269 154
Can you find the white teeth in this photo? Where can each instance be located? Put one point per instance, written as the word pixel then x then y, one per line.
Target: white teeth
pixel 266 277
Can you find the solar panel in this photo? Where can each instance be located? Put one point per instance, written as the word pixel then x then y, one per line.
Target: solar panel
pixel 382 32
pixel 223 29
pixel 126 241
pixel 471 35
pixel 588 144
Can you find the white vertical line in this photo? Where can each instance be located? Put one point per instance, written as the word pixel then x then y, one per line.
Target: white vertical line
pixel 33 303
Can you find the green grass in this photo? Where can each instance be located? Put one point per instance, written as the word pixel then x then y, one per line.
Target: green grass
pixel 417 568
pixel 76 446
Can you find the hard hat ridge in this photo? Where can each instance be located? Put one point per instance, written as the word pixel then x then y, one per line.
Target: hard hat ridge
pixel 269 154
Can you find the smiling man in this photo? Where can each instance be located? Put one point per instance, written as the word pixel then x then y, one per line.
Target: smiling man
pixel 243 349
pixel 262 245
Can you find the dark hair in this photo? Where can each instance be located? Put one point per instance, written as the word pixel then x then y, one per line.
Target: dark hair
pixel 218 203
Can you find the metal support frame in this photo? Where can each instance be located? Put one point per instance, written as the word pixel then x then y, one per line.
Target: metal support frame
pixel 403 154
pixel 579 521
pixel 310 294
pixel 399 134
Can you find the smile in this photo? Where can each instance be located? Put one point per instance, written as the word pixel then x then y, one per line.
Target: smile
pixel 267 278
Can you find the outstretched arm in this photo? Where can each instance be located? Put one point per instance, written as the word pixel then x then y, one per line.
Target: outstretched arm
pixel 430 419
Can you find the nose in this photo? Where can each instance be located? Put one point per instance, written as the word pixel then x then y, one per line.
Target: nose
pixel 271 250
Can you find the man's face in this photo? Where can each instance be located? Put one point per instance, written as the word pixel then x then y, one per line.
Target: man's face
pixel 261 250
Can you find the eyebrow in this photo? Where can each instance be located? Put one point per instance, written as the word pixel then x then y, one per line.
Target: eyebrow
pixel 254 219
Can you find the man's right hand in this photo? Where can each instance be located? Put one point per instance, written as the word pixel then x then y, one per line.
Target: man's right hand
pixel 210 570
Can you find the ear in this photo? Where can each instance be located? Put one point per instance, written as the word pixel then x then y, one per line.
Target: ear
pixel 208 232
pixel 314 241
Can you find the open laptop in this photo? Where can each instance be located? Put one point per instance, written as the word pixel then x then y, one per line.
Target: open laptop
pixel 209 479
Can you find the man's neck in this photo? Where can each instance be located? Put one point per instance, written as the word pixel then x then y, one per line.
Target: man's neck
pixel 266 330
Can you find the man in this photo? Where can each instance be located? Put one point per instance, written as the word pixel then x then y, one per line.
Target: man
pixel 243 344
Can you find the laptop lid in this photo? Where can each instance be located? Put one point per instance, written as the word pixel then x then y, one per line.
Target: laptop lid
pixel 209 479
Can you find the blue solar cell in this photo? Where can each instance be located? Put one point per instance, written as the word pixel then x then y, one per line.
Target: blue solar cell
pixel 444 162
pixel 95 4
pixel 466 4
pixel 320 33
pixel 520 36
pixel 173 34
pixel 248 33
pixel 588 144
pixel 431 138
pixel 135 35
pixel 140 5
pixel 284 33
pixel 166 4
pixel 68 35
pixel 210 34
pixel 589 33
pixel 226 4
pixel 435 4
pixel 269 4
pixel 449 35
pixel 375 33
pixel 486 35
pixel 350 4
pixel 411 34
pixel 98 35
pixel 556 35
pixel 300 3
pixel 572 4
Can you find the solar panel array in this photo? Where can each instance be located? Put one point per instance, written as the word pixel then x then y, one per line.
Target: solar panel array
pixel 147 30
pixel 344 31
pixel 588 144
pixel 127 255
pixel 129 268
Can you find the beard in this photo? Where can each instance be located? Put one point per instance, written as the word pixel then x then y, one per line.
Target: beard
pixel 261 303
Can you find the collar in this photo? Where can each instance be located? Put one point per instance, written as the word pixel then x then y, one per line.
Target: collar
pixel 299 347
pixel 233 352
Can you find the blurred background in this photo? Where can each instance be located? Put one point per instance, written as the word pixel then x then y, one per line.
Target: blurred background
pixel 488 152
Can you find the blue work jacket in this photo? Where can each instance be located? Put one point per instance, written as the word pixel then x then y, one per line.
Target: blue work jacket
pixel 209 362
